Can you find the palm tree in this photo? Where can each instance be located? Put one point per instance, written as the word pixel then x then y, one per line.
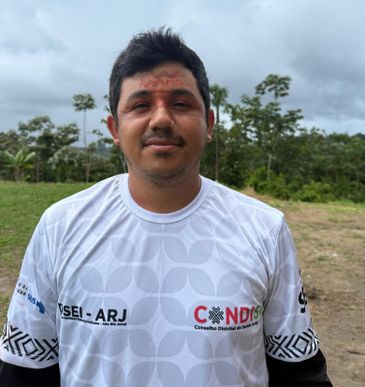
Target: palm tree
pixel 84 102
pixel 19 162
pixel 219 99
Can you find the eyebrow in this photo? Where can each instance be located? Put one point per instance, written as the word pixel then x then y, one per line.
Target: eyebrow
pixel 146 93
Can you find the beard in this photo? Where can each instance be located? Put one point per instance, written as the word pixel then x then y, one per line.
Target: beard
pixel 161 175
pixel 167 177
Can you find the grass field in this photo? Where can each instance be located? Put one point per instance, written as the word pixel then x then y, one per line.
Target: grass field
pixel 21 206
pixel 330 239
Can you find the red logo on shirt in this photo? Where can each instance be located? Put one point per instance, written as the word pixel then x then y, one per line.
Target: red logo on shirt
pixel 227 315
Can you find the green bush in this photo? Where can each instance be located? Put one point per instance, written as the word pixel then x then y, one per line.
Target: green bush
pixel 279 188
pixel 357 192
pixel 276 186
pixel 258 180
pixel 315 192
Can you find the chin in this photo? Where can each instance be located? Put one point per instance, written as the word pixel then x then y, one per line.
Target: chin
pixel 170 176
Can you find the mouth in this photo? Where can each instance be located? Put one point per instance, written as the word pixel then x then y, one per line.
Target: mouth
pixel 163 144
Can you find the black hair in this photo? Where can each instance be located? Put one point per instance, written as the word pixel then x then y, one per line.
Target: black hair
pixel 147 50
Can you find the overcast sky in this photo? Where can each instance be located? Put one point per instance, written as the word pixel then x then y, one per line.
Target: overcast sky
pixel 51 50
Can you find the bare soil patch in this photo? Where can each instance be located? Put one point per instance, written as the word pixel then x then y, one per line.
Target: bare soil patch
pixel 330 240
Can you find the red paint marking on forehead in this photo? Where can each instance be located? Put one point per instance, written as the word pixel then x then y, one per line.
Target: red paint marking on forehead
pixel 155 82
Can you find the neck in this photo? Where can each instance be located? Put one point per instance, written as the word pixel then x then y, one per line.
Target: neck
pixel 163 198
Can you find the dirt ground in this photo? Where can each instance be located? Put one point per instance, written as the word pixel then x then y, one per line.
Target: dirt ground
pixel 330 240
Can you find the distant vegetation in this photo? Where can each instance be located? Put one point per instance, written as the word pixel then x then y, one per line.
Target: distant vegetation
pixel 261 146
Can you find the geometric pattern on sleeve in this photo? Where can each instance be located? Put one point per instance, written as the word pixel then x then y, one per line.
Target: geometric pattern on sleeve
pixel 292 347
pixel 21 344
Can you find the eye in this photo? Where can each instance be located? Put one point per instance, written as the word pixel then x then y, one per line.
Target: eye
pixel 140 106
pixel 181 105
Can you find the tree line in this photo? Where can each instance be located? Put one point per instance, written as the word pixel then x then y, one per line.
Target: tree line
pixel 258 145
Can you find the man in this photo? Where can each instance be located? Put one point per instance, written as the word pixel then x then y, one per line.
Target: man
pixel 160 277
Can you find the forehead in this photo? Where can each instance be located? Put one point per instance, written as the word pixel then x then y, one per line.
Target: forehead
pixel 164 77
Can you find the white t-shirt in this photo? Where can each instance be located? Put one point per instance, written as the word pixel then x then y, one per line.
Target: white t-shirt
pixel 120 296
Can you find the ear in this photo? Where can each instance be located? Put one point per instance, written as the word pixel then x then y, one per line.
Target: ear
pixel 210 125
pixel 113 129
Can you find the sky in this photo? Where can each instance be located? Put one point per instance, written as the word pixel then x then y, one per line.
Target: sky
pixel 51 50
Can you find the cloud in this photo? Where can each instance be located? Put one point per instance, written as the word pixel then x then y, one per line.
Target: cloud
pixel 23 30
pixel 51 50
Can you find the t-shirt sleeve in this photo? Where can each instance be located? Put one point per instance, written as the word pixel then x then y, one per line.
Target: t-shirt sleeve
pixel 288 331
pixel 29 338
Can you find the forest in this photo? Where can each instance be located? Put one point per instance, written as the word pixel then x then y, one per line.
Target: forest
pixel 255 144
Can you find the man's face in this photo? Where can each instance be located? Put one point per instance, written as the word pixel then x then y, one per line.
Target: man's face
pixel 162 127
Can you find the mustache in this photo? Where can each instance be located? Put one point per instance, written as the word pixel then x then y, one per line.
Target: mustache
pixel 162 134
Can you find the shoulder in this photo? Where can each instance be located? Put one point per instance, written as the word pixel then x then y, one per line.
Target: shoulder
pixel 257 222
pixel 243 208
pixel 90 200
pixel 244 219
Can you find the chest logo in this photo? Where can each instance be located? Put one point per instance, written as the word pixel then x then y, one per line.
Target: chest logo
pixel 226 318
pixel 101 316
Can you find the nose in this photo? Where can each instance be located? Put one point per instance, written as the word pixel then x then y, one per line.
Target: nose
pixel 161 118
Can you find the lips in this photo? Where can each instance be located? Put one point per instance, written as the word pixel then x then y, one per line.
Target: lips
pixel 162 139
pixel 157 141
